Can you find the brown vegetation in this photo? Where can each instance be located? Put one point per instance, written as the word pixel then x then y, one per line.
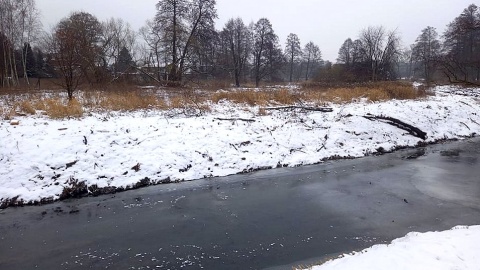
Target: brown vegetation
pixel 129 98
pixel 371 91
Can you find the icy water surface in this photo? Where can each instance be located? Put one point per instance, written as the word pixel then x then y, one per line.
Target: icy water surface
pixel 270 219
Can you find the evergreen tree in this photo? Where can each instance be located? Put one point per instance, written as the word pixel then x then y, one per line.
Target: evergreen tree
pixel 124 60
pixel 40 65
pixel 30 63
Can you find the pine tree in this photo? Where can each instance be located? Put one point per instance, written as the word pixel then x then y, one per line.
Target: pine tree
pixel 30 62
pixel 124 60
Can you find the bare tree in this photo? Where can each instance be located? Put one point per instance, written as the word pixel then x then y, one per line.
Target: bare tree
pixel 345 53
pixel 426 50
pixel 181 21
pixel 74 45
pixel 461 61
pixel 265 50
pixel 202 54
pixel 10 29
pixel 358 55
pixel 20 24
pixel 29 27
pixel 351 55
pixel 116 36
pixel 372 39
pixel 157 47
pixel 311 56
pixel 238 40
pixel 380 51
pixel 293 51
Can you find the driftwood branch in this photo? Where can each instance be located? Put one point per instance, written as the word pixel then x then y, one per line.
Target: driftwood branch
pixel 235 119
pixel 414 131
pixel 315 109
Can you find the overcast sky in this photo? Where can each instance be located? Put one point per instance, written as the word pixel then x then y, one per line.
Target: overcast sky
pixel 325 22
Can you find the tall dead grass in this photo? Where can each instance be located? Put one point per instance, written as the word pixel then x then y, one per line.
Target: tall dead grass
pixel 122 101
pixel 58 106
pixel 372 91
pixel 55 104
pixel 54 108
pixel 321 94
pixel 257 97
pixel 57 109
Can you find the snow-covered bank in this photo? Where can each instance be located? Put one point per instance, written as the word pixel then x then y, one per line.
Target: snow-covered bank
pixel 457 248
pixel 40 158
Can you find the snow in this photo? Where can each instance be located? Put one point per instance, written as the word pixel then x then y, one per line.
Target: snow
pixel 457 248
pixel 104 148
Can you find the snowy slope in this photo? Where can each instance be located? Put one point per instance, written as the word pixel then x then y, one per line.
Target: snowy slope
pixel 40 157
pixel 457 248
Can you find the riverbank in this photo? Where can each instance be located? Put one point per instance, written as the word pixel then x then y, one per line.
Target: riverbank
pixel 43 160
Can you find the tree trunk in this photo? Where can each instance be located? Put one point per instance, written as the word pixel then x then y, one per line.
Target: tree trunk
pixel 291 68
pixel 173 68
pixel 308 70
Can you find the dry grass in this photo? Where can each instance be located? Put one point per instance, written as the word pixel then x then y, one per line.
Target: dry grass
pixel 57 109
pixel 6 113
pixel 122 101
pixel 321 95
pixel 26 106
pixel 254 97
pixel 372 91
pixel 128 98
pixel 214 85
pixel 177 102
pixel 58 106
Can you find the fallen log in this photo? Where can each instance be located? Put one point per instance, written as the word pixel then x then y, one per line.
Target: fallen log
pixel 315 109
pixel 414 131
pixel 235 119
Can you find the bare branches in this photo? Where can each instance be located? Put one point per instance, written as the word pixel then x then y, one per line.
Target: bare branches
pixel 426 50
pixel 311 57
pixel 237 38
pixel 461 61
pixel 75 47
pixel 315 109
pixel 266 53
pixel 381 51
pixel 293 51
pixel 181 21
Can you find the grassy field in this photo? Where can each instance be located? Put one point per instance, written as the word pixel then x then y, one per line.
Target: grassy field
pixel 54 103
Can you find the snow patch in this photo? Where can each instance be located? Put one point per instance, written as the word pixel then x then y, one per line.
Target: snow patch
pixel 457 248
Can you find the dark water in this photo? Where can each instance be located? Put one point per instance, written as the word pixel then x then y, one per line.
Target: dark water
pixel 271 219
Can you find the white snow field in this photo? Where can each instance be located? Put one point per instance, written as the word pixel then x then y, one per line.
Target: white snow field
pixel 455 249
pixel 40 156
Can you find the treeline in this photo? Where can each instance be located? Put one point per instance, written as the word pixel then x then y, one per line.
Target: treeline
pixel 377 55
pixel 181 44
pixel 456 56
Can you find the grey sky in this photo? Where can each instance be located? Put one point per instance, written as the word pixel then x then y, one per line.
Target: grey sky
pixel 327 23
